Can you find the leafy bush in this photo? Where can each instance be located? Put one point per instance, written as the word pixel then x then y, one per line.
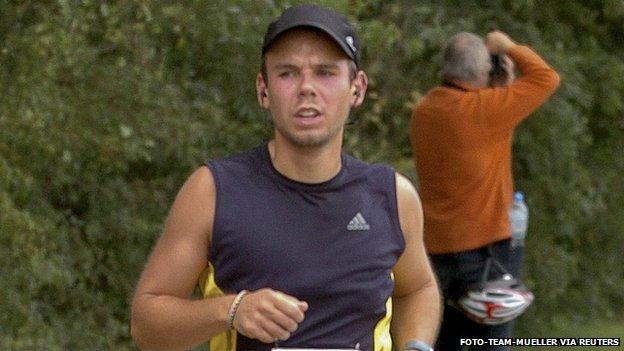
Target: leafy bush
pixel 105 108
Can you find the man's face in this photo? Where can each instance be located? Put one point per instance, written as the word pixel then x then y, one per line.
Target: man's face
pixel 308 88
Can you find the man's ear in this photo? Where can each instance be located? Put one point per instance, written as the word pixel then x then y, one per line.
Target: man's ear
pixel 358 88
pixel 262 91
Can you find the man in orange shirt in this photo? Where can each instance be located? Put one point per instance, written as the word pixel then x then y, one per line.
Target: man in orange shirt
pixel 461 135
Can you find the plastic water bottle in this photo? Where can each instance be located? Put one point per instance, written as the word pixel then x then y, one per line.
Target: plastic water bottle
pixel 519 219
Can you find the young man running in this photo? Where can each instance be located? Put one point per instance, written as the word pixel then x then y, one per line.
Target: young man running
pixel 294 243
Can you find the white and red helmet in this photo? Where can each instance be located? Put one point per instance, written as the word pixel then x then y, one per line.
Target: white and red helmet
pixel 496 301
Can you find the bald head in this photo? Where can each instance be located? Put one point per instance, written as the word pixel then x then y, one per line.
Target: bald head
pixel 466 59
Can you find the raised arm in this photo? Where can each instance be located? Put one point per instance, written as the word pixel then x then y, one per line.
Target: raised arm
pixel 504 107
pixel 416 298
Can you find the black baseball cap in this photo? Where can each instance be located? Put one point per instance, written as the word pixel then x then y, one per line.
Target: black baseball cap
pixel 326 20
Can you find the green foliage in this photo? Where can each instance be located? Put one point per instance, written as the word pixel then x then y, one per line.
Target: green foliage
pixel 106 107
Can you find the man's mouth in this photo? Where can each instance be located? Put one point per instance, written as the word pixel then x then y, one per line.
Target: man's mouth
pixel 308 116
pixel 308 113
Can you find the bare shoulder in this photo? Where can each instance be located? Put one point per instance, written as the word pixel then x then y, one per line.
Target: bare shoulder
pixel 404 185
pixel 406 192
pixel 198 191
pixel 412 270
pixel 195 202
pixel 201 181
pixel 181 251
pixel 409 207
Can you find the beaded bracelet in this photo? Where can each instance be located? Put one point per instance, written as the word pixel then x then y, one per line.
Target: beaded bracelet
pixel 234 308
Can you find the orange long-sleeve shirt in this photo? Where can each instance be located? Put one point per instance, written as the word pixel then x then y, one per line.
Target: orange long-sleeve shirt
pixel 462 137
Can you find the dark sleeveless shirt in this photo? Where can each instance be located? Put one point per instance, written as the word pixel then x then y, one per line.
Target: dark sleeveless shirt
pixel 331 244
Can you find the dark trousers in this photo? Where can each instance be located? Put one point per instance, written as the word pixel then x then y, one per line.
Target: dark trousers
pixel 455 273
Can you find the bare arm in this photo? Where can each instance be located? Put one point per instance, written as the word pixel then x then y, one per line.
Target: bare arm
pixel 416 298
pixel 165 317
pixel 163 314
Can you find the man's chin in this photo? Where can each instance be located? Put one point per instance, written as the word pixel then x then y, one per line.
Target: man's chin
pixel 308 140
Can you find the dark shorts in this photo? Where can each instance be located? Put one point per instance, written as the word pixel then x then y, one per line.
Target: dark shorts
pixel 455 273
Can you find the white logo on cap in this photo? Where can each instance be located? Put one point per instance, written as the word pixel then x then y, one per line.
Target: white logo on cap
pixel 349 40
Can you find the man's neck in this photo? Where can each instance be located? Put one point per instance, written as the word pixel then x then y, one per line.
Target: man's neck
pixel 475 84
pixel 310 165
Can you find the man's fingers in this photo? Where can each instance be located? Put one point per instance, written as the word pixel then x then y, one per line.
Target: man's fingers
pixel 268 315
pixel 498 42
pixel 286 297
pixel 283 320
pixel 275 330
pixel 291 307
pixel 263 328
pixel 260 334
pixel 303 306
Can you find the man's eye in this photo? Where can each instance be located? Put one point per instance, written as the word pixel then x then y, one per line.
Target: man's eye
pixel 287 74
pixel 325 72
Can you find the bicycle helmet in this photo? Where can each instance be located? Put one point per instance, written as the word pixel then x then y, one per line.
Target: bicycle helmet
pixel 495 302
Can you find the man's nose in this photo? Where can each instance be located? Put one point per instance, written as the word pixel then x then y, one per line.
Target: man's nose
pixel 307 86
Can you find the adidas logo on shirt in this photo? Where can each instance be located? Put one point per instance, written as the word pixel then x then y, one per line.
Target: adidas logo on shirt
pixel 358 223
